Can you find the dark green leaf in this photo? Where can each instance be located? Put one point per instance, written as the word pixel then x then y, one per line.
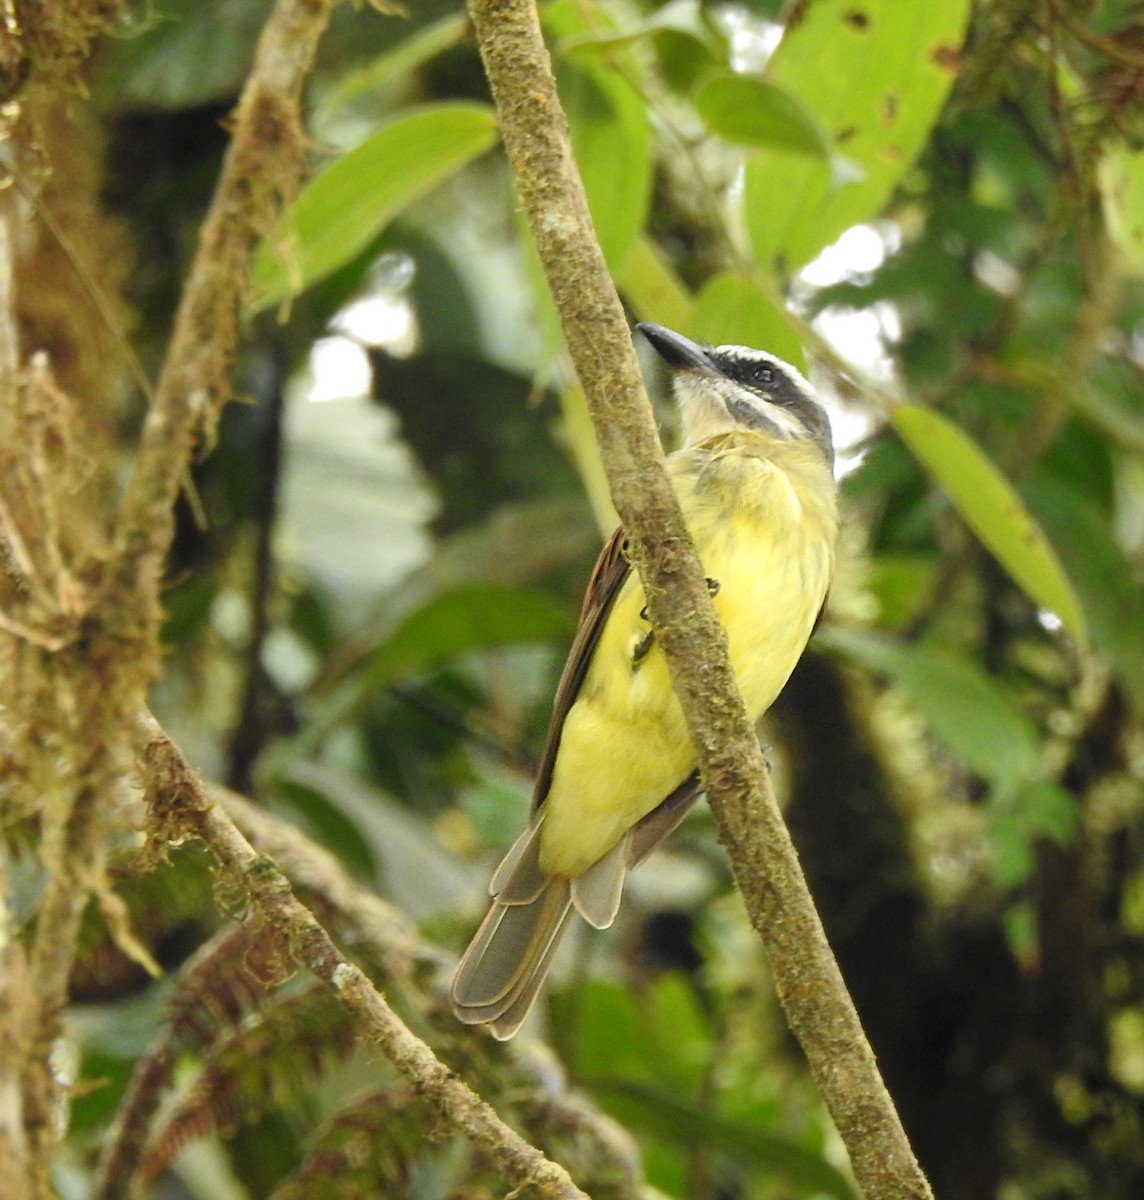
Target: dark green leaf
pixel 1105 580
pixel 328 825
pixel 399 62
pixel 191 52
pixel 1037 809
pixel 901 584
pixel 471 617
pixel 763 1150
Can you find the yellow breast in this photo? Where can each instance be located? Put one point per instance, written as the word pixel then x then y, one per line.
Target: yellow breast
pixel 763 517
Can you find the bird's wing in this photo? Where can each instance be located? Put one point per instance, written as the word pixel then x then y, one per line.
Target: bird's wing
pixel 612 568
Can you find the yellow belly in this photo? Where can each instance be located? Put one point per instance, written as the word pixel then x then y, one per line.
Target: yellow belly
pixel 768 542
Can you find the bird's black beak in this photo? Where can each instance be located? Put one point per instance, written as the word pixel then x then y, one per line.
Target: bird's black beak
pixel 676 350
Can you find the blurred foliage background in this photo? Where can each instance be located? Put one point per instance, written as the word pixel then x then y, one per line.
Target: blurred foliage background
pixel 940 209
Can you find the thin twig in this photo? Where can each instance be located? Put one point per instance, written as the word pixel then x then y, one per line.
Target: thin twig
pixel 1107 46
pixel 180 805
pixel 250 728
pixel 94 289
pixel 766 868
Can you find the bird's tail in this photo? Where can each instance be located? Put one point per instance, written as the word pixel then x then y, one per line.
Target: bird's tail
pixel 511 953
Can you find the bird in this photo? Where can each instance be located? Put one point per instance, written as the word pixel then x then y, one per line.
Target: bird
pixel 755 482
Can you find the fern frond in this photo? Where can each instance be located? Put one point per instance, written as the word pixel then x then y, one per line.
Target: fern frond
pixel 360 1153
pixel 267 1063
pixel 210 994
pixel 370 1149
pixel 564 1124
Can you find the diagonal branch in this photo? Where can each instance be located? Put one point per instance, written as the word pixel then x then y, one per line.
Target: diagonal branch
pixel 179 805
pixel 751 827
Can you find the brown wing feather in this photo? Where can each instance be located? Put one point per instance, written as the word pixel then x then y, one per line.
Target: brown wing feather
pixel 612 568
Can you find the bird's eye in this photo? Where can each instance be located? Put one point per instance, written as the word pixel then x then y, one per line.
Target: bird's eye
pixel 762 374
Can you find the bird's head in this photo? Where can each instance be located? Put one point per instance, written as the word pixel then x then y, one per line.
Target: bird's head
pixel 722 389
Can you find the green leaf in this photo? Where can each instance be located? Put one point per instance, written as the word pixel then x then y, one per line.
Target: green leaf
pixel 965 709
pixel 682 17
pixel 417 873
pixel 901 585
pixel 1105 580
pixel 1038 809
pixel 874 74
pixel 609 1040
pixel 180 56
pixel 343 208
pixel 611 140
pixel 752 112
pixel 993 510
pixel 1122 191
pixel 649 1059
pixel 1047 810
pixel 467 618
pixel 733 310
pixel 653 289
pixel 663 1038
pixel 406 57
pixel 328 825
pixel 690 1124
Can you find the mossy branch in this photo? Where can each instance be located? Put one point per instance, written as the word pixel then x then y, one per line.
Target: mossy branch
pixel 751 827
pixel 261 171
pixel 180 805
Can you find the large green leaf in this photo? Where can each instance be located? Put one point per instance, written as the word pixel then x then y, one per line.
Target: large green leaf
pixel 965 709
pixel 343 208
pixel 1122 190
pixel 874 74
pixel 611 138
pixel 653 289
pixel 395 65
pixel 753 112
pixel 992 509
pixel 733 309
pixel 1105 581
pixel 466 618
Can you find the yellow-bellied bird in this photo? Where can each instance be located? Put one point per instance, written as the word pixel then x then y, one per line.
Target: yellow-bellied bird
pixel 756 485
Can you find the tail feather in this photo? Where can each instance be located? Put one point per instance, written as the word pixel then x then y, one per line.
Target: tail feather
pixel 510 955
pixel 511 1019
pixel 500 974
pixel 502 970
pixel 662 821
pixel 596 894
pixel 519 879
